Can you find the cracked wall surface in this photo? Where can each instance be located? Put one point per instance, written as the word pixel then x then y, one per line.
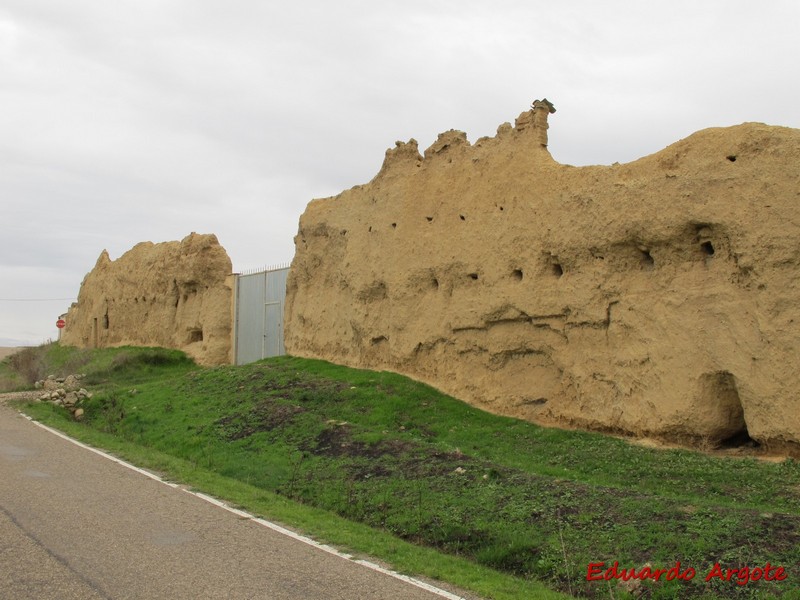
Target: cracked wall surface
pixel 659 297
pixel 171 294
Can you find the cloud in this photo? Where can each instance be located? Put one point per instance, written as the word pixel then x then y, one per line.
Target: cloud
pixel 145 120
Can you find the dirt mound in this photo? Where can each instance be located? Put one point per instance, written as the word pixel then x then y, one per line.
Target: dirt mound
pixel 657 298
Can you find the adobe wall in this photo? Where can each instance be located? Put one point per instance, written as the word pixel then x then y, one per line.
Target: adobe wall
pixel 658 298
pixel 171 294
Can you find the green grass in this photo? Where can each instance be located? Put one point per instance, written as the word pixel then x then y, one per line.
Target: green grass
pixel 10 379
pixel 116 366
pixel 436 487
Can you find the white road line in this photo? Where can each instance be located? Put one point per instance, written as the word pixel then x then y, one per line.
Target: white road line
pixel 274 526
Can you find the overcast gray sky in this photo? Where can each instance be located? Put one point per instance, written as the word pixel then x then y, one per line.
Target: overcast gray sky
pixel 143 120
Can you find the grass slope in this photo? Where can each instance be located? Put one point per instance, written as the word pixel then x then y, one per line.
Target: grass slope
pixel 514 504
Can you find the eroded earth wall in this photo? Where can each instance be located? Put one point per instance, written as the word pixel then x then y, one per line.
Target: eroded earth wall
pixel 657 298
pixel 171 294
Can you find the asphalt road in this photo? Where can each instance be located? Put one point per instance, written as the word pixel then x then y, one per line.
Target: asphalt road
pixel 75 525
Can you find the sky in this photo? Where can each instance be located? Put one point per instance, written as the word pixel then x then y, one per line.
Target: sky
pixel 137 120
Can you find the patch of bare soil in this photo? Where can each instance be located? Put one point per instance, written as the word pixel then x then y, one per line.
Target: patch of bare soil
pixel 748 450
pixel 4 352
pixel 26 395
pixel 264 416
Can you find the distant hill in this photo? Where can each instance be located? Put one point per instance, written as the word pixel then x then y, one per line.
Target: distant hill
pixel 12 343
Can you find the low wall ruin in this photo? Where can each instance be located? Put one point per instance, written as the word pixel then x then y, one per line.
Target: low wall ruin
pixel 171 294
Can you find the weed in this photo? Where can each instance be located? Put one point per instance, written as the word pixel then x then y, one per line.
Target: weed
pixel 11 380
pixel 29 363
pixel 106 412
pixel 296 464
pixel 564 552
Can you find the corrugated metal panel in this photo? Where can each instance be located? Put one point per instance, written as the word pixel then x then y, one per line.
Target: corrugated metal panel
pixel 259 315
pixel 274 298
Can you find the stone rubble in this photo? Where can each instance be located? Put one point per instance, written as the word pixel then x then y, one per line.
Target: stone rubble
pixel 64 391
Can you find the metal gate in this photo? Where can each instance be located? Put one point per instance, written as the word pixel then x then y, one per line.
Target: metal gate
pixel 258 315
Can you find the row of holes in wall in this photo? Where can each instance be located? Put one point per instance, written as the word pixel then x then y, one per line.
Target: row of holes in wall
pixel 429 219
pixel 708 247
pixel 557 270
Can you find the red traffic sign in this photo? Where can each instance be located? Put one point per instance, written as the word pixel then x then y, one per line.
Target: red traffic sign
pixel 61 323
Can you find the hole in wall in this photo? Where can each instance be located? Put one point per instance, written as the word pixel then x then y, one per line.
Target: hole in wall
pixel 534 401
pixel 719 397
pixel 435 283
pixel 473 276
pixel 731 157
pixel 740 439
pixel 462 217
pixel 394 225
pixel 105 321
pixel 429 219
pixel 647 259
pixel 195 335
pixel 707 248
pixel 501 208
pixel 557 269
pixel 595 252
pixel 517 274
